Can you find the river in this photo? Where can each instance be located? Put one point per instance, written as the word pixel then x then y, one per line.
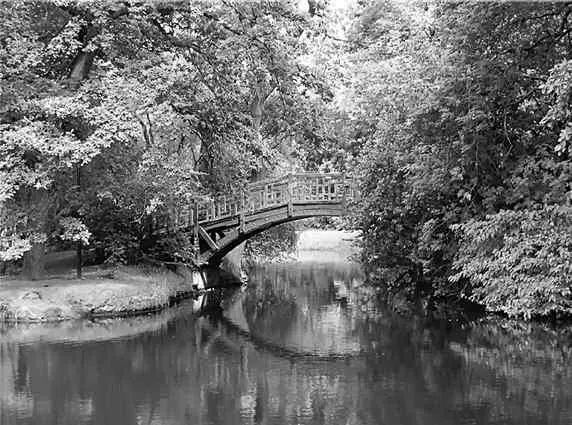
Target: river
pixel 297 345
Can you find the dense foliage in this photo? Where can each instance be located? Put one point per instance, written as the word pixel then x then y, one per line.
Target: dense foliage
pixel 275 244
pixel 467 163
pixel 112 112
pixel 519 261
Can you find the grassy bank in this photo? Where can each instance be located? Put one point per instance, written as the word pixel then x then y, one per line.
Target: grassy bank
pixel 102 293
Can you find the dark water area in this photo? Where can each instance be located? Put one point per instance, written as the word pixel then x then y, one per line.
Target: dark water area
pixel 298 345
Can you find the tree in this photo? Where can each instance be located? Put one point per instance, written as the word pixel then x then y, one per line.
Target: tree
pixel 59 114
pixel 46 129
pixel 136 109
pixel 458 101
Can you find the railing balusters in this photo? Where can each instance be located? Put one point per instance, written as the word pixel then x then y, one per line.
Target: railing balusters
pixel 287 190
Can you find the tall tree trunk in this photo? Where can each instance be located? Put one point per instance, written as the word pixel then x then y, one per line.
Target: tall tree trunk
pixel 79 260
pixel 79 246
pixel 257 110
pixel 34 262
pixel 79 72
pixel 80 68
pixel 257 106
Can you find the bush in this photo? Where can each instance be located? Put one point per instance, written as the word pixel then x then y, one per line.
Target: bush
pixel 272 245
pixel 518 262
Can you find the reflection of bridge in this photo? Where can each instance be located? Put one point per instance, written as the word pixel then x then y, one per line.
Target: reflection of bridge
pixel 227 221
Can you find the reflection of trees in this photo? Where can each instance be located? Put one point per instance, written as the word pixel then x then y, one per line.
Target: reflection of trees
pixel 294 305
pixel 487 372
pixel 198 370
pixel 530 365
pixel 117 376
pixel 191 378
pixel 13 378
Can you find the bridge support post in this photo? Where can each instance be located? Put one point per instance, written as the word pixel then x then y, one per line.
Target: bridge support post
pixel 290 194
pixel 196 243
pixel 241 220
pixel 265 196
pixel 344 193
pixel 241 223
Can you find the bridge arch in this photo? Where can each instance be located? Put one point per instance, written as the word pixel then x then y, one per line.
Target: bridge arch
pixel 262 222
pixel 220 225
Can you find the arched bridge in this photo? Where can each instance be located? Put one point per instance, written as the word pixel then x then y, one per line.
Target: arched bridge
pixel 227 221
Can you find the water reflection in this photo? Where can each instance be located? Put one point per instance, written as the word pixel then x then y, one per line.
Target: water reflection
pixel 288 350
pixel 297 307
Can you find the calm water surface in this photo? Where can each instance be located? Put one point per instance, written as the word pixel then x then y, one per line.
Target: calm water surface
pixel 287 350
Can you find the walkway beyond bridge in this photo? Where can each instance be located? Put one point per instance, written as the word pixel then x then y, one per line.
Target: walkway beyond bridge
pixel 227 221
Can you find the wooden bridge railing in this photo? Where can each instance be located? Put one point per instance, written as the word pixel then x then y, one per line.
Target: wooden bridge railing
pixel 298 187
pixel 294 188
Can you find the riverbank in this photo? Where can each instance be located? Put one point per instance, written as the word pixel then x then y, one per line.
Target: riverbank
pixel 126 291
pixel 113 292
pixel 320 245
